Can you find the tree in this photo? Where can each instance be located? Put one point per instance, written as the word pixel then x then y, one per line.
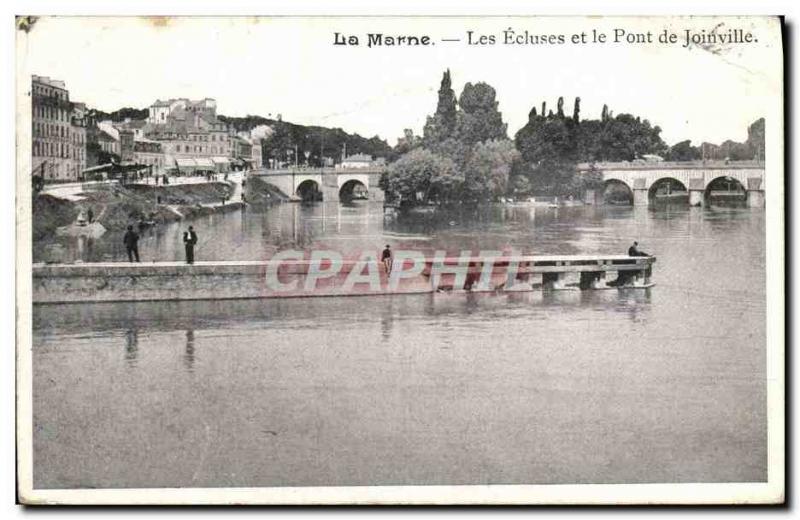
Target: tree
pixel 625 138
pixel 421 175
pixel 408 142
pixel 479 119
pixel 520 184
pixel 487 169
pixel 755 138
pixel 442 123
pixel 684 151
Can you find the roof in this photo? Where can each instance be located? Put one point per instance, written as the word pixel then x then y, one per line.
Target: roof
pixel 102 135
pixel 45 80
pixel 135 123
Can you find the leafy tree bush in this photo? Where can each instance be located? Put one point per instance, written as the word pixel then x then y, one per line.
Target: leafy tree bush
pixel 421 176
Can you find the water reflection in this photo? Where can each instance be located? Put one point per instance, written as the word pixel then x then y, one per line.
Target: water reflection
pixel 131 347
pixel 188 356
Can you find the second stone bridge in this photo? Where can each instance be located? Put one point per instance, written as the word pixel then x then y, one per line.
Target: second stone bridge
pixel 700 179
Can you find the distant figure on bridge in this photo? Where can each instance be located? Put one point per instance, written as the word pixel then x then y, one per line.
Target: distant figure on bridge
pixel 189 240
pixel 634 250
pixel 131 241
pixel 386 258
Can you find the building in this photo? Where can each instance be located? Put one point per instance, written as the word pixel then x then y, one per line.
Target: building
pixel 58 132
pixel 192 138
pixel 148 152
pixel 257 154
pixel 242 151
pixel 78 139
pixel 357 161
pixel 161 112
pixel 107 142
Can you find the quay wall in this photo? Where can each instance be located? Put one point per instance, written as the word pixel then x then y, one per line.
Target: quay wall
pixel 178 281
pixel 165 281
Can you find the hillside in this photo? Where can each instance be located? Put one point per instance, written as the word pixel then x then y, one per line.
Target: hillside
pixel 317 141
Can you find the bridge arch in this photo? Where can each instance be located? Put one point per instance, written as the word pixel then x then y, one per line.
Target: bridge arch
pixel 309 190
pixel 667 187
pixel 725 187
pixel 617 191
pixel 353 189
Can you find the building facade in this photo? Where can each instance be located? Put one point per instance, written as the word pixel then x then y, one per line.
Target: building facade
pixel 191 137
pixel 58 132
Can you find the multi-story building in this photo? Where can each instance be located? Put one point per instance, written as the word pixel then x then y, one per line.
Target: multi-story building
pixel 141 151
pixel 257 154
pixel 192 139
pixel 78 139
pixel 59 131
pixel 161 112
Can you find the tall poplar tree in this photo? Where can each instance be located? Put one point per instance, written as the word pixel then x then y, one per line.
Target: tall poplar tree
pixel 442 124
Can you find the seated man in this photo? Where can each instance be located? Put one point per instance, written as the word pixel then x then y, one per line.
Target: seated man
pixel 634 250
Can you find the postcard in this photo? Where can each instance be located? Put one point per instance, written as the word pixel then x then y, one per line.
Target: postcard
pixel 400 260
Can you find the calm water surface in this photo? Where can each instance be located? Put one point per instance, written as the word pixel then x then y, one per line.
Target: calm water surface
pixel 659 385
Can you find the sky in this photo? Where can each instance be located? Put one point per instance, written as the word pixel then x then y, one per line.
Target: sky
pixel 290 66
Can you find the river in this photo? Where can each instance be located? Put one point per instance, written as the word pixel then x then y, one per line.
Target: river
pixel 660 385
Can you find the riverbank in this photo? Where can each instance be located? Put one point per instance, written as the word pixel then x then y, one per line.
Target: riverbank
pixel 116 207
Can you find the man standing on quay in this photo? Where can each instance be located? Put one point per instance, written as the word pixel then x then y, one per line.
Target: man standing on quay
pixel 386 258
pixel 189 240
pixel 131 241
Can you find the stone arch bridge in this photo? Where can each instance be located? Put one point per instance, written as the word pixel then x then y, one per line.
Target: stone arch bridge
pixel 696 177
pixel 329 183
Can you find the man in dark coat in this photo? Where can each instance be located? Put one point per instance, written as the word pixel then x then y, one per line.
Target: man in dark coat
pixel 131 241
pixel 386 258
pixel 634 250
pixel 189 240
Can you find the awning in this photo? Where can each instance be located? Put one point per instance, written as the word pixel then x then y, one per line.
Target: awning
pixel 99 168
pixel 220 160
pixel 203 162
pixel 185 163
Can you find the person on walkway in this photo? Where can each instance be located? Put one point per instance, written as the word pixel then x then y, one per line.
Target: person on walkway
pixel 131 241
pixel 386 258
pixel 634 250
pixel 189 241
pixel 90 215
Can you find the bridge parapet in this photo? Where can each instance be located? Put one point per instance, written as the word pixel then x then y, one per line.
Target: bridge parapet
pixel 695 176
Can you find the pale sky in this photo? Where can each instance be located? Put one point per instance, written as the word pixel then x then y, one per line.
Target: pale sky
pixel 290 66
